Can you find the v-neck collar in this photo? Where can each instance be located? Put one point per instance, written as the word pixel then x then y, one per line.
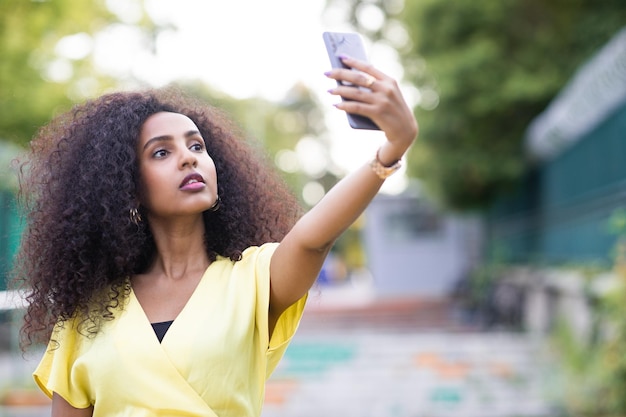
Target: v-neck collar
pixel 136 341
pixel 133 300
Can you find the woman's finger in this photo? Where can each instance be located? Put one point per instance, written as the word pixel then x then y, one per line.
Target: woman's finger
pixel 359 73
pixel 352 78
pixel 351 92
pixel 363 66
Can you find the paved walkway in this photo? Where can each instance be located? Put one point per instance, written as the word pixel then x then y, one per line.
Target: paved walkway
pixel 406 358
pixel 434 374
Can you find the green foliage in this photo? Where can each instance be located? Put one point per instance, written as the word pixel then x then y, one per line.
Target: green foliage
pixel 582 379
pixel 495 66
pixel 29 32
pixel 595 366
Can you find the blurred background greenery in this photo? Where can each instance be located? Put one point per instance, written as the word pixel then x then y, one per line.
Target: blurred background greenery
pixel 483 71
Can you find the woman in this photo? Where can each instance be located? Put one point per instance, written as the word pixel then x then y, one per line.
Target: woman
pixel 165 262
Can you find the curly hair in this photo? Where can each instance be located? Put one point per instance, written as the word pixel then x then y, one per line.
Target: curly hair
pixel 80 182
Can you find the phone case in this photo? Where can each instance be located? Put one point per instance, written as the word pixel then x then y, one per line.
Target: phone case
pixel 350 44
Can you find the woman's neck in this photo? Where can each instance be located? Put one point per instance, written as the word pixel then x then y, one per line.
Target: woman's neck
pixel 180 248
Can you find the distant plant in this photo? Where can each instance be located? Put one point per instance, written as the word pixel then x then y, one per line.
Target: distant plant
pixel 595 366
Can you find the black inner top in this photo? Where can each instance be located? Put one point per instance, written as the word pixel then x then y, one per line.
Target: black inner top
pixel 161 328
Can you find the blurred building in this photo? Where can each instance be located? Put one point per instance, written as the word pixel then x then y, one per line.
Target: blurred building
pixel 413 249
pixel 561 212
pixel 563 215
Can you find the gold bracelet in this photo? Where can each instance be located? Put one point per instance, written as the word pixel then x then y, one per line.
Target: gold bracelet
pixel 381 170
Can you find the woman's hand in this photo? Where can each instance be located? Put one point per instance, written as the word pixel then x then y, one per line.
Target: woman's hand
pixel 383 103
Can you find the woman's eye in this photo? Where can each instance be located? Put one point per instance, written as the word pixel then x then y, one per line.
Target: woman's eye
pixel 198 147
pixel 161 153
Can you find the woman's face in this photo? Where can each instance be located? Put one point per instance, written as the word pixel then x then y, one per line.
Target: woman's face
pixel 177 175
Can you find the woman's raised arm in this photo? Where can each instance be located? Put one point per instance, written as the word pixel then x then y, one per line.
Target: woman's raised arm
pixel 298 259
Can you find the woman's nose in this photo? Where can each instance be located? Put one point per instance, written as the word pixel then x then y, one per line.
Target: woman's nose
pixel 188 158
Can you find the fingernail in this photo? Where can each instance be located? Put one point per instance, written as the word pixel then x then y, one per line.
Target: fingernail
pixel 343 56
pixel 327 73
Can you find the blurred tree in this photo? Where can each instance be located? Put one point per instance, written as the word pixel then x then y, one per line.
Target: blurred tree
pixel 485 70
pixel 29 32
pixel 47 63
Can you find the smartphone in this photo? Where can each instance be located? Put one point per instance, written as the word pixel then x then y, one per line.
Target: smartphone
pixel 350 44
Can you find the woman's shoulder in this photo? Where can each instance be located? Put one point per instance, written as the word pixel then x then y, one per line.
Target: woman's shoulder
pixel 254 260
pixel 266 249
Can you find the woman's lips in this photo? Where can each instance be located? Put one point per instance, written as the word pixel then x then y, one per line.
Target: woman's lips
pixel 192 182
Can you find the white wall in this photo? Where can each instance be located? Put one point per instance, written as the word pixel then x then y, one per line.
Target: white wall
pixel 414 250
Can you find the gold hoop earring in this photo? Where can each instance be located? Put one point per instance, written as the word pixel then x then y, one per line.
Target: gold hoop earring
pixel 216 205
pixel 135 216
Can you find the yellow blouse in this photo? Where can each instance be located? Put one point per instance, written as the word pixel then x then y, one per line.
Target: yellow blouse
pixel 213 361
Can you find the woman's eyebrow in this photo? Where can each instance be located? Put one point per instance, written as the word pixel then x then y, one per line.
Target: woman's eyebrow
pixel 164 138
pixel 192 133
